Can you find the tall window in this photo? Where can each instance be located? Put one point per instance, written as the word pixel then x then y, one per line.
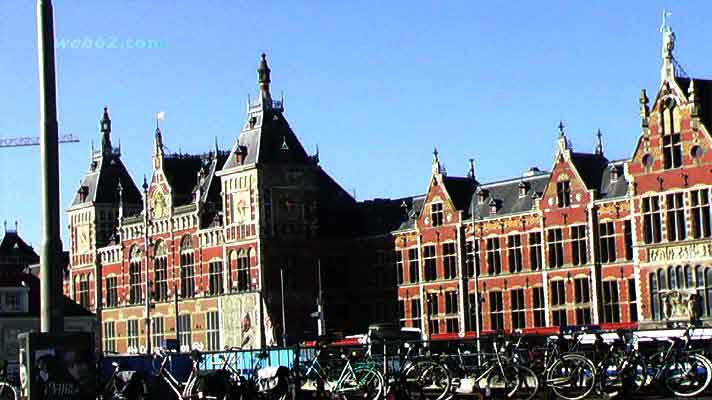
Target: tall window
pixel 415 309
pixel 187 268
pixel 582 298
pixel 132 333
pixel 558 303
pixel 708 287
pixel 451 302
pixel 243 270
pixel 578 245
pixel 514 253
pixel 433 304
pixel 185 326
pixel 475 310
pixel 701 216
pixel 632 301
pixel 563 194
pixel 212 324
pixel 215 282
pixel 535 261
pixel 494 261
pixel 449 260
pixel 401 311
pixel 110 336
pixel 436 213
pixel 84 290
pixel 413 265
pixel 652 225
pixel 611 308
pixel 399 266
pixel 672 147
pixel 607 242
pixel 112 293
pixel 654 296
pixel 431 272
pixel 628 237
pixel 160 270
pixel 675 217
pixel 518 314
pixel 538 305
pixel 452 325
pixel 554 238
pixel 157 333
pixel 472 261
pixel 135 276
pixel 496 311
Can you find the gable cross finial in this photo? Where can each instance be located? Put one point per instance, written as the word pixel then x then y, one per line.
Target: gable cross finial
pixel 436 162
pixel 561 128
pixel 472 168
pixel 599 145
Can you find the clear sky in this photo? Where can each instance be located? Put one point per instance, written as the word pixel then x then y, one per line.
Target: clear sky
pixel 375 84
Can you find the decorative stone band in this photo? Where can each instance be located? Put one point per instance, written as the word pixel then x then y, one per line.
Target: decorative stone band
pixel 679 305
pixel 680 253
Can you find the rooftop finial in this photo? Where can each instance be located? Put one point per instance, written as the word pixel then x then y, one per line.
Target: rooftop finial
pixel 145 184
pixel 471 173
pixel 436 162
pixel 599 145
pixel 105 127
pixel 160 116
pixel 561 128
pixel 263 73
pixel 668 69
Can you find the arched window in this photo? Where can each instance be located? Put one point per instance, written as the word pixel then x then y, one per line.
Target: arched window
pixel 672 278
pixel 672 148
pixel 160 271
pixel 662 280
pixel 187 268
pixel 689 281
pixel 243 270
pixel 231 268
pixel 680 277
pixel 654 298
pixel 700 285
pixel 135 275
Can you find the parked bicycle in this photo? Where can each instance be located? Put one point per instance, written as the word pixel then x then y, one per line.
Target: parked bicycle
pixel 358 379
pixel 7 390
pixel 209 386
pixel 569 374
pixel 124 385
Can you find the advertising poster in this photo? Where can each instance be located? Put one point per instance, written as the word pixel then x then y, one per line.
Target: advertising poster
pixel 58 367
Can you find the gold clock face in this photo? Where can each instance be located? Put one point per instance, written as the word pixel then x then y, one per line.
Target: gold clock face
pixel 159 205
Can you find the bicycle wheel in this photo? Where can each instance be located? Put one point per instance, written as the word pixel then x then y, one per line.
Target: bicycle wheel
pixel 427 380
pixel 621 375
pixel 528 383
pixel 8 392
pixel 363 383
pixel 503 382
pixel 571 377
pixel 688 375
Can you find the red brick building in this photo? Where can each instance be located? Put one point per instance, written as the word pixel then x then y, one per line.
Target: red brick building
pixel 593 241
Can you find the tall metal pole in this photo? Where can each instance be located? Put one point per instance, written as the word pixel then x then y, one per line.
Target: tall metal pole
pixel 321 322
pixel 284 319
pixel 175 307
pixel 51 317
pixel 477 277
pixel 147 321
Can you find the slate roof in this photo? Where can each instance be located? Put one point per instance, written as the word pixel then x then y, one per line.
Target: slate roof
pixel 506 196
pixel 460 190
pixel 269 141
pixel 15 253
pixel 101 182
pixel 590 167
pixel 612 189
pixel 703 91
pixel 181 172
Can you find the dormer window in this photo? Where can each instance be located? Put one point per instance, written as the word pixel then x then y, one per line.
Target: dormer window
pixel 493 206
pixel 436 213
pixel 523 188
pixel 615 173
pixel 482 196
pixel 563 194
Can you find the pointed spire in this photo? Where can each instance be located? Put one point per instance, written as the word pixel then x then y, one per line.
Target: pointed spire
pixel 105 127
pixel 668 69
pixel 437 169
pixel 561 129
pixel 145 184
pixel 599 145
pixel 471 172
pixel 644 108
pixel 158 135
pixel 264 80
pixel 563 142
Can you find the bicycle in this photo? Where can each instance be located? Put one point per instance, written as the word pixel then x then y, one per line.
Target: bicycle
pixel 682 370
pixel 568 374
pixel 7 390
pixel 268 383
pixel 422 377
pixel 357 380
pixel 209 387
pixel 124 385
pixel 622 369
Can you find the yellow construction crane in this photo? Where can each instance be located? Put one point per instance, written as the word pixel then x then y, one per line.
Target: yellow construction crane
pixel 34 141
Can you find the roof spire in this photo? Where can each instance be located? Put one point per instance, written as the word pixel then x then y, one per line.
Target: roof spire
pixel 563 143
pixel 644 108
pixel 561 129
pixel 105 127
pixel 436 162
pixel 599 145
pixel 471 172
pixel 158 136
pixel 668 68
pixel 263 73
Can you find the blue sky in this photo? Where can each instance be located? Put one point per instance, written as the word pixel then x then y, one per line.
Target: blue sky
pixel 375 84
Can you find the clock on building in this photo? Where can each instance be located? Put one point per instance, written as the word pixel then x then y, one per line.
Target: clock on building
pixel 159 205
pixel 83 238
